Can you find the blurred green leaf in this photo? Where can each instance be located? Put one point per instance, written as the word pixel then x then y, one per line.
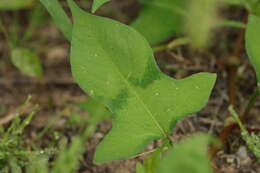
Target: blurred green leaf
pixel 151 163
pixel 117 68
pixel 253 42
pixel 27 62
pixel 97 4
pixel 189 156
pixel 139 168
pixel 15 4
pixel 160 19
pixel 201 20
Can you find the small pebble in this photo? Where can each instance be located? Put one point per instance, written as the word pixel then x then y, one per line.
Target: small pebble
pixel 243 155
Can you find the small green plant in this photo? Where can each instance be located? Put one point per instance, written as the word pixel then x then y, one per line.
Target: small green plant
pixel 13 154
pixel 114 64
pixel 252 140
pixel 16 156
pixel 130 92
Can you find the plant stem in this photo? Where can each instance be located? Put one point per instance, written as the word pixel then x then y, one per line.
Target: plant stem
pixel 236 117
pixel 144 153
pixel 167 142
pixel 173 44
pixel 250 103
pixel 2 29
pixel 232 67
pixel 159 48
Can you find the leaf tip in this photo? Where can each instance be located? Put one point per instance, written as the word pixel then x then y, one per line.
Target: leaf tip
pixel 97 4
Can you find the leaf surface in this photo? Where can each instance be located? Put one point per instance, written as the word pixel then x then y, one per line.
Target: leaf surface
pixel 253 43
pixel 160 19
pixel 115 65
pixel 189 155
pixel 97 4
pixel 97 111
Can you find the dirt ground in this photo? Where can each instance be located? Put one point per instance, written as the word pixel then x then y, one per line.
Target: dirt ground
pixel 58 94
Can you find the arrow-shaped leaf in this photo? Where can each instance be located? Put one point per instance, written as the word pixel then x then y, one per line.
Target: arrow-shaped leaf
pixel 115 65
pixel 253 43
pixel 160 19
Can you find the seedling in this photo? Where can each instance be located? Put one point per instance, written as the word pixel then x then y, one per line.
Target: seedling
pixel 252 140
pixel 114 64
pixel 13 155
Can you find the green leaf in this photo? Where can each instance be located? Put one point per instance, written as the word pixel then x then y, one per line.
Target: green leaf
pixel 59 16
pixel 139 168
pixel 117 68
pixel 189 155
pixel 27 62
pixel 97 4
pixel 160 19
pixel 97 110
pixel 15 4
pixel 198 25
pixel 253 42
